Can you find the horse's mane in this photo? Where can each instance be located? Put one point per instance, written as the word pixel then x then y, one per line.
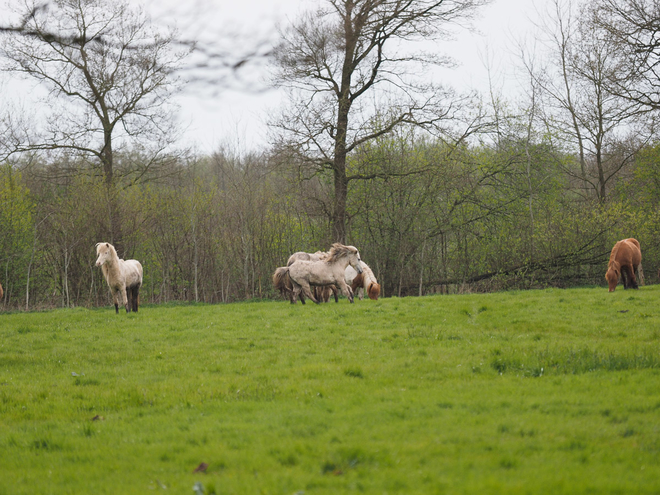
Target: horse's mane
pixel 371 284
pixel 338 251
pixel 368 274
pixel 615 250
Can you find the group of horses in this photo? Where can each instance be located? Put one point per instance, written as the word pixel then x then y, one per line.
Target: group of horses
pixel 317 275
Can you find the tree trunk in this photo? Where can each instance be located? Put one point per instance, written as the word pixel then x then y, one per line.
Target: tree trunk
pixel 114 216
pixel 339 168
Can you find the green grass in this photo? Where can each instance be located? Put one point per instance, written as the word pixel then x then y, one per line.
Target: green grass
pixel 553 391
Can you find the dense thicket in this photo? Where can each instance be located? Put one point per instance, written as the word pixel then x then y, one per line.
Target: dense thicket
pixel 475 217
pixel 522 194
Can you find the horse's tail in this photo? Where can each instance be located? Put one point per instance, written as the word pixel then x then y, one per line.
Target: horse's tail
pixel 282 280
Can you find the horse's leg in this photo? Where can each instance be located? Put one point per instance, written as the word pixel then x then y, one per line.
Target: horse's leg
pixel 335 292
pixel 115 298
pixel 307 291
pixel 124 299
pixel 294 294
pixel 129 298
pixel 345 289
pixel 134 293
pixel 633 280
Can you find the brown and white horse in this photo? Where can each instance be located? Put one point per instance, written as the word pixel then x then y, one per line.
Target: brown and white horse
pixel 123 277
pixel 625 262
pixel 363 282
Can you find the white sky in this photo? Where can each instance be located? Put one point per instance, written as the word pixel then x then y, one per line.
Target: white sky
pixel 236 118
pixel 215 116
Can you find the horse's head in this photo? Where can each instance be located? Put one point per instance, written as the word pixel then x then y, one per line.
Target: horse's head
pixel 612 275
pixel 351 253
pixel 106 252
pixel 374 291
pixel 354 258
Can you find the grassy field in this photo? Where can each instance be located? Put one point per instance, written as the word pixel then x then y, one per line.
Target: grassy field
pixel 553 391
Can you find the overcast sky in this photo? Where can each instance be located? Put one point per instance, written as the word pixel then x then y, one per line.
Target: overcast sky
pixel 236 117
pixel 214 115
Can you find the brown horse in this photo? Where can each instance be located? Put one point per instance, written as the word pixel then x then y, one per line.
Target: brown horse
pixel 625 261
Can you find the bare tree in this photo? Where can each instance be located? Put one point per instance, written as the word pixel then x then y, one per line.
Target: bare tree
pixel 109 76
pixel 633 28
pixel 605 128
pixel 352 75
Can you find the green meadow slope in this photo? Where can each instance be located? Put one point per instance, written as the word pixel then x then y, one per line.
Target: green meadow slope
pixel 553 391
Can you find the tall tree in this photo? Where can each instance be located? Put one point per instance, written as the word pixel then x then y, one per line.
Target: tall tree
pixel 352 75
pixel 605 128
pixel 633 27
pixel 108 72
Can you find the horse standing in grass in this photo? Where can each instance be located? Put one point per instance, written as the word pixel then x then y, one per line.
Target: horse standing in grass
pixel 282 282
pixel 625 261
pixel 123 277
pixel 303 275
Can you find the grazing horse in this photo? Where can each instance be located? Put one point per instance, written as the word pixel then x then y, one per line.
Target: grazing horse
pixel 303 275
pixel 363 282
pixel 625 261
pixel 123 277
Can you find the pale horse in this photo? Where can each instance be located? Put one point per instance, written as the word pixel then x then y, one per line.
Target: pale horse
pixel 124 277
pixel 307 274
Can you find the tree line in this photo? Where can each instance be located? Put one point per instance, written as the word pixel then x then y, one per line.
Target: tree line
pixel 441 192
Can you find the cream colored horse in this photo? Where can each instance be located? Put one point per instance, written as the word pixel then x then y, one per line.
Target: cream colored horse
pixel 123 277
pixel 305 274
